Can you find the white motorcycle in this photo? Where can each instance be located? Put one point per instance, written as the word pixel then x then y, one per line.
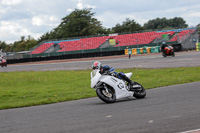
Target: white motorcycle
pixel 109 88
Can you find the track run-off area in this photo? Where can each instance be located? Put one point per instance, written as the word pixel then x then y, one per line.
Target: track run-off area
pixel 171 109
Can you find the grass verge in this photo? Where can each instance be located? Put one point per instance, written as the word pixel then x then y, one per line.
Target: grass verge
pixel 21 89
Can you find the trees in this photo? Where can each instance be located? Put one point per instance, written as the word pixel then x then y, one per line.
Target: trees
pixel 78 23
pixel 161 23
pixel 2 45
pixel 127 26
pixel 178 22
pixel 21 45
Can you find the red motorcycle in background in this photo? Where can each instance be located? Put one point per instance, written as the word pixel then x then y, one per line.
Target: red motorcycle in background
pixel 168 51
pixel 3 63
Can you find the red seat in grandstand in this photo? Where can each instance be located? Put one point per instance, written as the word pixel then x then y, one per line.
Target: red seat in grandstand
pixel 42 48
pixel 182 35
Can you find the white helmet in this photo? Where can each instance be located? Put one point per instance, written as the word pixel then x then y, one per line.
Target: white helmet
pixel 96 65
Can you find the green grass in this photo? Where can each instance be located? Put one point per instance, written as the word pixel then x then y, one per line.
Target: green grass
pixel 20 89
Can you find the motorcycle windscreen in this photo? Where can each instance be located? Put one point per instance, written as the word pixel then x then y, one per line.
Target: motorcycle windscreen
pixel 93 73
pixel 95 76
pixel 129 74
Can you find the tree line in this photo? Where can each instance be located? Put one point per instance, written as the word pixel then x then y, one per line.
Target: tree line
pixel 81 22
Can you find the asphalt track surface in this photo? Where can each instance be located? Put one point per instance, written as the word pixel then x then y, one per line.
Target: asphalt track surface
pixel 171 109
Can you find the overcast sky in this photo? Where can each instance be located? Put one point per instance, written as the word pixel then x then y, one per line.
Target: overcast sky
pixel 36 17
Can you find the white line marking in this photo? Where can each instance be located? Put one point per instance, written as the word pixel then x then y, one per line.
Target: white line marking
pixel 175 116
pixel 109 116
pixel 151 121
pixel 190 131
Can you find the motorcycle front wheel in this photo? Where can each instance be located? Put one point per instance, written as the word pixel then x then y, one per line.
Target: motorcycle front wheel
pixel 164 55
pixel 107 97
pixel 140 92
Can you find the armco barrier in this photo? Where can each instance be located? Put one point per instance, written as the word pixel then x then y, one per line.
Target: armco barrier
pixel 138 51
pixel 141 50
pixel 144 50
pixel 126 51
pixel 157 49
pixel 152 49
pixel 134 51
pixel 66 56
pixel 148 50
pixel 197 46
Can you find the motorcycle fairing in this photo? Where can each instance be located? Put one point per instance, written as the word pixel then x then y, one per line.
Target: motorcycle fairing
pixel 95 76
pixel 118 85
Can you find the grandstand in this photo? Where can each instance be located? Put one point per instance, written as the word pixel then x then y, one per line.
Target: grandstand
pixel 84 43
pixel 182 35
pixel 42 48
pixel 107 45
pixel 140 38
pixel 121 40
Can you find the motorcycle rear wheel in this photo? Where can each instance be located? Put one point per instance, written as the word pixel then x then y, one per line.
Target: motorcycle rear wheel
pixel 106 97
pixel 141 93
pixel 173 54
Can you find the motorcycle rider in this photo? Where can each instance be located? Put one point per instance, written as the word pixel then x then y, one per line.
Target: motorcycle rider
pixel 163 46
pixel 1 57
pixel 111 71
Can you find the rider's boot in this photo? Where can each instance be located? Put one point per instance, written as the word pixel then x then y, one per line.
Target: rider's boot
pixel 132 85
pixel 130 82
